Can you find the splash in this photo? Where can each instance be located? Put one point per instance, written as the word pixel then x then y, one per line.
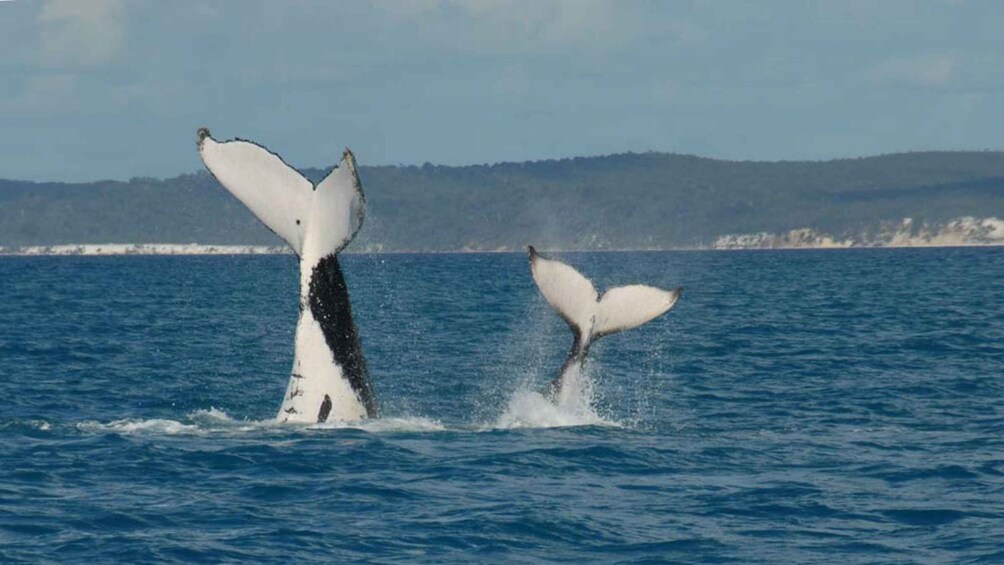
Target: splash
pixel 574 406
pixel 131 426
pixel 199 422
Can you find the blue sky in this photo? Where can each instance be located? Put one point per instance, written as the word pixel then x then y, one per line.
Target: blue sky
pixel 95 89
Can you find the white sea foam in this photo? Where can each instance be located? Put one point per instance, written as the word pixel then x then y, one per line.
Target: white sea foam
pixel 526 408
pixel 131 426
pixel 213 415
pixel 41 425
pixel 216 421
pixel 383 425
pixel 574 406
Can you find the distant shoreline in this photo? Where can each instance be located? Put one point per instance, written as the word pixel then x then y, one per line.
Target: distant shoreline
pixel 162 249
pixel 112 249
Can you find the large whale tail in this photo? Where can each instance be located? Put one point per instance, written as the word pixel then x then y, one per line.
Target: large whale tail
pixel 329 379
pixel 589 315
pixel 315 220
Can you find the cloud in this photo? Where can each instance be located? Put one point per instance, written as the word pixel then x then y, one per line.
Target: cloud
pixel 921 70
pixel 81 32
pixel 529 25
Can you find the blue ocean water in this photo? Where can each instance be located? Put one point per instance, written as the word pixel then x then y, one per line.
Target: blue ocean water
pixel 795 407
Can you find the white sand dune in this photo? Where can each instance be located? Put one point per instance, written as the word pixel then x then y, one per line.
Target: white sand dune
pixel 960 232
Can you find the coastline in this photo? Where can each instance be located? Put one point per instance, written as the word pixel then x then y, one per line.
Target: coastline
pixel 112 249
pixel 160 249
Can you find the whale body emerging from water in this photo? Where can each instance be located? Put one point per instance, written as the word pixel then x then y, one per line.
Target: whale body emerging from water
pixel 329 380
pixel 589 315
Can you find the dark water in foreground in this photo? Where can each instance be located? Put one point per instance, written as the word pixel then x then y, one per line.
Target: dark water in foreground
pixel 840 406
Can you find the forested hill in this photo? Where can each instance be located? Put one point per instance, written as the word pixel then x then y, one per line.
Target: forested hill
pixel 650 200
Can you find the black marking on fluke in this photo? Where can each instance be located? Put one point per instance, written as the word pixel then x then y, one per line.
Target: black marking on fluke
pixel 322 414
pixel 328 296
pixel 329 303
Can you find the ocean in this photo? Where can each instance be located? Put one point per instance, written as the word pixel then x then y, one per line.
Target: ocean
pixel 794 407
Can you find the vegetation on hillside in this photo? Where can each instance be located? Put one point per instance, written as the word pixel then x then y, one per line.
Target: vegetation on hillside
pixel 650 200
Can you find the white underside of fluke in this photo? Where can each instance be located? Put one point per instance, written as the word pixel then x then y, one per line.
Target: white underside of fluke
pixel 316 222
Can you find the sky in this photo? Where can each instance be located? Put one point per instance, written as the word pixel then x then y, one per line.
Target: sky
pixel 114 89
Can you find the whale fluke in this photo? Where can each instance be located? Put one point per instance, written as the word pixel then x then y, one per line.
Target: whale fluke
pixel 329 380
pixel 589 315
pixel 317 220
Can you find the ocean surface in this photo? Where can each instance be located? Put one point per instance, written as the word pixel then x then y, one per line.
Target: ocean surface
pixel 795 407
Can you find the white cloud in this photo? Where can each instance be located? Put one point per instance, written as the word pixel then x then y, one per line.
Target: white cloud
pixel 81 32
pixel 921 70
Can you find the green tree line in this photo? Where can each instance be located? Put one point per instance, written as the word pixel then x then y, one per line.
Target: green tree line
pixel 648 200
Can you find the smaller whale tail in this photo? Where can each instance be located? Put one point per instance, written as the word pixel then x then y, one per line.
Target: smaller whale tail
pixel 576 300
pixel 589 315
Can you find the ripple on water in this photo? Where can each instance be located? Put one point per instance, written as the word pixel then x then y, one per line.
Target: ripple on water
pixel 792 408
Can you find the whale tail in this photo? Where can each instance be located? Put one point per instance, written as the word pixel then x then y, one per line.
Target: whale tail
pixel 329 379
pixel 314 220
pixel 589 315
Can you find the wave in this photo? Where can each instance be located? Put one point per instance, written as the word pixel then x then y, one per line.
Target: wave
pixel 216 421
pixel 33 425
pixel 132 426
pixel 525 409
